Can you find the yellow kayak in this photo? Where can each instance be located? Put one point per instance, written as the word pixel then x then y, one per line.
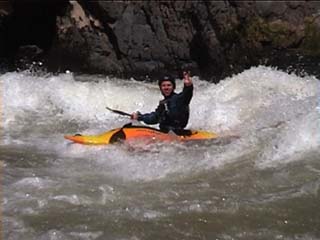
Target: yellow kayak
pixel 129 132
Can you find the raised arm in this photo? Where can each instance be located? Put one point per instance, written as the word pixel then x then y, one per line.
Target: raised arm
pixel 187 91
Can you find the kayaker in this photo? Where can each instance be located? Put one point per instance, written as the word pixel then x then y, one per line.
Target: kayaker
pixel 172 112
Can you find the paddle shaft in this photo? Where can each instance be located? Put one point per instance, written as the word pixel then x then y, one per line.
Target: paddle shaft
pixel 119 112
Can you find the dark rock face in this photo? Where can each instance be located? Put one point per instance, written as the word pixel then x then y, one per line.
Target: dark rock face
pixel 26 25
pixel 212 38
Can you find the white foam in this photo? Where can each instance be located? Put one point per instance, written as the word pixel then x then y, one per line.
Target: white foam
pixel 298 137
pixel 266 107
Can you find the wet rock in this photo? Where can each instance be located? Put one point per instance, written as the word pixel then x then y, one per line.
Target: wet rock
pixel 211 38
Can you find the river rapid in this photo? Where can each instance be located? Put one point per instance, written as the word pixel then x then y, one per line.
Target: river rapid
pixel 263 184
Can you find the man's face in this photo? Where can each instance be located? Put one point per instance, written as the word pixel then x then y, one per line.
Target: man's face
pixel 166 88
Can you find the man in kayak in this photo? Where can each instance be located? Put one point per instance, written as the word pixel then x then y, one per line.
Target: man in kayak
pixel 172 112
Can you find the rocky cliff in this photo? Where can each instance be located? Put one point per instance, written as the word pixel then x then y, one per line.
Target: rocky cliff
pixel 140 38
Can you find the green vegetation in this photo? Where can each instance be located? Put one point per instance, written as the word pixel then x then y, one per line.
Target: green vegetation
pixel 311 43
pixel 277 33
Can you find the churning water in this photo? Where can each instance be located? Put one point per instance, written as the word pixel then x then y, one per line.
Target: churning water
pixel 262 185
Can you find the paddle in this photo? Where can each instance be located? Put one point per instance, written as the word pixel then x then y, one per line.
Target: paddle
pixel 119 112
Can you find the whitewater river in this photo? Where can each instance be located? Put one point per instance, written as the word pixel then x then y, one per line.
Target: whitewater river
pixel 263 185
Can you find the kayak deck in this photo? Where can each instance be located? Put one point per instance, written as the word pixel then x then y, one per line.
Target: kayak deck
pixel 129 132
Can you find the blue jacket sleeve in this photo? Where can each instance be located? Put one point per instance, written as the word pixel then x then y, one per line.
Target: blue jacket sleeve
pixel 149 118
pixel 187 93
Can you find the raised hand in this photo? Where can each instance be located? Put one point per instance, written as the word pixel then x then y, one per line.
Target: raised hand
pixel 186 78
